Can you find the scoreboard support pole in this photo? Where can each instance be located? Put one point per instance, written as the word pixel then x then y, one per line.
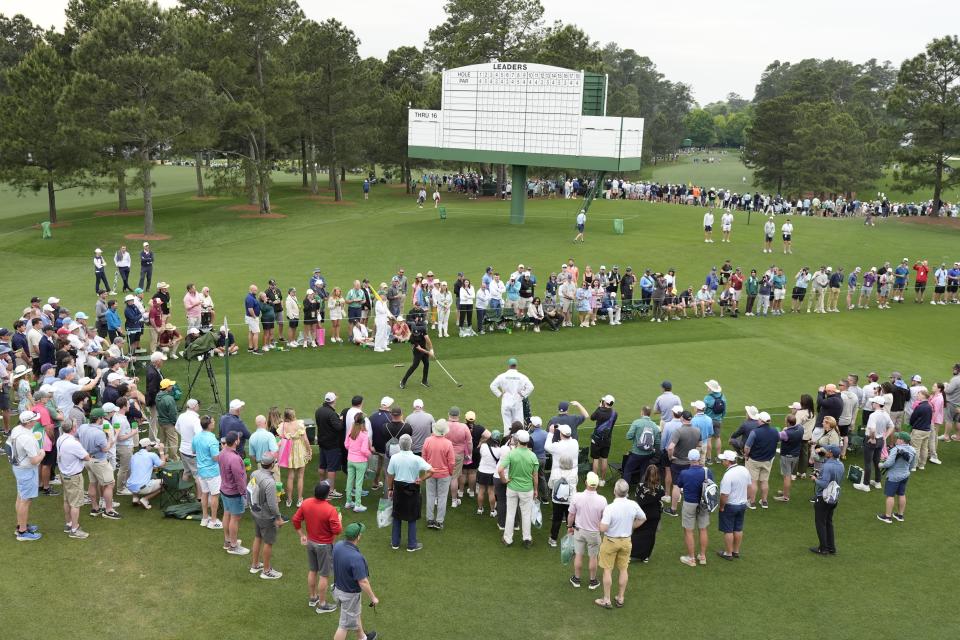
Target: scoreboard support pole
pixel 518 196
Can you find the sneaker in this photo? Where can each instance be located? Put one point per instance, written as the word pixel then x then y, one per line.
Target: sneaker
pixel 327 607
pixel 935 461
pixel 875 484
pixel 335 495
pixel 493 513
pixel 594 583
pixel 454 504
pixel 144 503
pixel 55 482
pixel 124 492
pixel 690 561
pixel 752 506
pixel 67 528
pixel 271 574
pixel 603 483
pixel 348 505
pixel 479 512
pixel 359 508
pixel 575 581
pixel 551 542
pixel 395 547
pixel 665 499
pixel 372 635
pixel 782 499
pixel 28 536
pixel 670 512
pixel 54 492
pixel 764 505
pixel 204 522
pixel 438 526
pixel 431 524
pixel 215 524
pixel 416 548
pixel 78 534
pixel 882 517
pixel 313 603
pixel 861 487
pixel 238 550
pixel 111 515
pixel 527 544
pixel 257 568
pixel 898 517
pixel 94 513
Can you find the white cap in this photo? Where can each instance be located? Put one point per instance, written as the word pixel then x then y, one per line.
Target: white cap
pixel 109 407
pixel 763 416
pixel 146 244
pixel 693 455
pixel 98 250
pixel 880 400
pixel 564 430
pixel 386 401
pixel 698 404
pixel 916 378
pixel 53 300
pixel 523 436
pixel 84 381
pixel 236 403
pixel 330 396
pixel 157 356
pixel 114 377
pixel 193 331
pixel 607 398
pixel 796 406
pixel 192 403
pixel 728 455
pixel 418 404
pixel 146 443
pixel 28 416
pixel 677 409
pixel 536 421
pixel 309 292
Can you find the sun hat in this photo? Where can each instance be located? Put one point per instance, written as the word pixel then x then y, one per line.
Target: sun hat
pixel 751 411
pixel 713 385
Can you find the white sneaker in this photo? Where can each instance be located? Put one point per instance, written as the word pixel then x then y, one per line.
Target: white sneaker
pixel 238 551
pixel 271 574
pixel 204 522
pixel 875 484
pixel 121 492
pixel 935 461
pixel 603 483
pixel 215 524
pixel 862 487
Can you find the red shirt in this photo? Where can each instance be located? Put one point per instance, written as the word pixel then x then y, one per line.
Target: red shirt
pixel 922 271
pixel 736 281
pixel 322 519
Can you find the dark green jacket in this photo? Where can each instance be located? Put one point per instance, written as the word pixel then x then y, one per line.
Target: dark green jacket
pixel 166 408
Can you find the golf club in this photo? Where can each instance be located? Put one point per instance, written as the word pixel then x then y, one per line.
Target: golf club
pixel 440 364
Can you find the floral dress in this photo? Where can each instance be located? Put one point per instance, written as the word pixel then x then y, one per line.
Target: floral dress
pixel 294 453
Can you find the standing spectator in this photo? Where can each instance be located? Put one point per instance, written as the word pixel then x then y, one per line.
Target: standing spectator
pixel 898 465
pixel 146 267
pixel 265 510
pixel 25 457
pixel 665 402
pixel 188 427
pixel 322 524
pixel 644 438
pixel 690 482
pixel 716 409
pixel 605 419
pixel 583 523
pixel 460 437
pixel 231 422
pixel 562 484
pixel 683 440
pixel 848 414
pixel 167 416
pixel 478 433
pixel 295 453
pixel 154 377
pixel 438 453
pixel 936 404
pixel 648 496
pixel 759 451
pixel 291 309
pixel 358 455
pixel 405 473
pixel 121 259
pixel 879 427
pixel 786 230
pixel 99 470
pixel 739 437
pixel 708 226
pixel 571 420
pixel 233 488
pixel 206 447
pixel 518 470
pixel 71 457
pixel 825 505
pixel 421 426
pixel 251 305
pixel 617 524
pixel 920 282
pixel 351 578
pixel 951 407
pixel 734 489
pixel 791 444
pixel 192 306
pixel 921 421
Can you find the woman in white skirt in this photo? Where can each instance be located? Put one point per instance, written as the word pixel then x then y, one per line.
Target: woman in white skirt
pixel 336 304
pixel 444 302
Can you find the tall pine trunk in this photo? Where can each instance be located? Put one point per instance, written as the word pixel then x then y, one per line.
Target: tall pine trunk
pixel 314 187
pixel 122 189
pixel 250 177
pixel 51 201
pixel 303 159
pixel 199 163
pixel 147 193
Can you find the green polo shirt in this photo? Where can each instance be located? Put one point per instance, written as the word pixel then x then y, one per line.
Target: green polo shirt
pixel 636 430
pixel 521 463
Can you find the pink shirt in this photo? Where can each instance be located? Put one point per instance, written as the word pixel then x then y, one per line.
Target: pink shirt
pixel 438 452
pixel 191 302
pixel 586 509
pixel 936 403
pixel 358 449
pixel 459 436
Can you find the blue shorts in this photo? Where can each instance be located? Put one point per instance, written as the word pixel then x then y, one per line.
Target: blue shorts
pixel 717 425
pixel 353 313
pixel 891 488
pixel 331 459
pixel 731 518
pixel 28 482
pixel 580 228
pixel 234 504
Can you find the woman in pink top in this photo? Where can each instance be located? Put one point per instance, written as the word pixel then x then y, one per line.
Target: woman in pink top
pixel 358 453
pixel 438 452
pixel 936 403
pixel 192 301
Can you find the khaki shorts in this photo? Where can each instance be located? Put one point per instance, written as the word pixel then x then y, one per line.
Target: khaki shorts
pixel 99 472
pixel 73 493
pixel 253 324
pixel 693 517
pixel 458 465
pixel 586 542
pixel 152 486
pixel 614 552
pixel 189 465
pixel 349 609
pixel 759 471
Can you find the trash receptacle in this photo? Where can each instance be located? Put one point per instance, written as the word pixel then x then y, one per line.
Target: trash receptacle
pixel 443 213
pixel 45 230
pixel 618 226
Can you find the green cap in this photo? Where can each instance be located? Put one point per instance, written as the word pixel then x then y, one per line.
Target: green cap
pixel 97 413
pixel 138 290
pixel 512 362
pixel 903 435
pixel 353 530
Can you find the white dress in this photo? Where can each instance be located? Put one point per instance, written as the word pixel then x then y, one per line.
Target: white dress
pixel 382 322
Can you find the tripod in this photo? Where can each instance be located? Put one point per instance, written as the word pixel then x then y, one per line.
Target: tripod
pixel 204 365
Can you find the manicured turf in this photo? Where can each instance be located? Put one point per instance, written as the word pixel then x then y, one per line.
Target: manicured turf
pixel 167 579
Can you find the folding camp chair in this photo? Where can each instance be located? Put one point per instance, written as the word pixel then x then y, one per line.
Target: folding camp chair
pixel 492 318
pixel 584 465
pixel 175 489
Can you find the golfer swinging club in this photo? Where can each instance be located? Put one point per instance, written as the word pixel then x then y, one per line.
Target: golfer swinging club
pixel 511 387
pixel 422 350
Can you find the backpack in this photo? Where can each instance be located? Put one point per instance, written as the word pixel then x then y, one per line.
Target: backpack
pixel 601 435
pixel 855 474
pixel 393 444
pixel 561 491
pixel 831 493
pixel 10 450
pixel 647 440
pixel 719 406
pixel 709 493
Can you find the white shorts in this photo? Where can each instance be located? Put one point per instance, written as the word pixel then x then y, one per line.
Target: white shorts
pixel 736 294
pixel 727 227
pixel 210 485
pixel 779 294
pixel 253 324
pixel 151 487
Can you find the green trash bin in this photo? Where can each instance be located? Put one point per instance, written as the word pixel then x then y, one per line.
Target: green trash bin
pixel 45 230
pixel 618 226
pixel 443 213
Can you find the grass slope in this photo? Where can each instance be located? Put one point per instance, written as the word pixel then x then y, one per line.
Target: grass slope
pixel 168 571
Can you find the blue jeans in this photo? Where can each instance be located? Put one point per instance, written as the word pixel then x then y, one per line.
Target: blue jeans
pixel 411 533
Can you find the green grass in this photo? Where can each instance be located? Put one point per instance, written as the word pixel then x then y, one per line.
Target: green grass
pixel 173 577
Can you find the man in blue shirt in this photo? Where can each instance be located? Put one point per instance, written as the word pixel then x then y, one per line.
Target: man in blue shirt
pixel 351 578
pixel 759 451
pixel 831 471
pixel 251 314
pixel 232 422
pixel 140 481
pixel 715 406
pixel 146 266
pixel 900 280
pixel 405 473
pixel 690 481
pixel 791 443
